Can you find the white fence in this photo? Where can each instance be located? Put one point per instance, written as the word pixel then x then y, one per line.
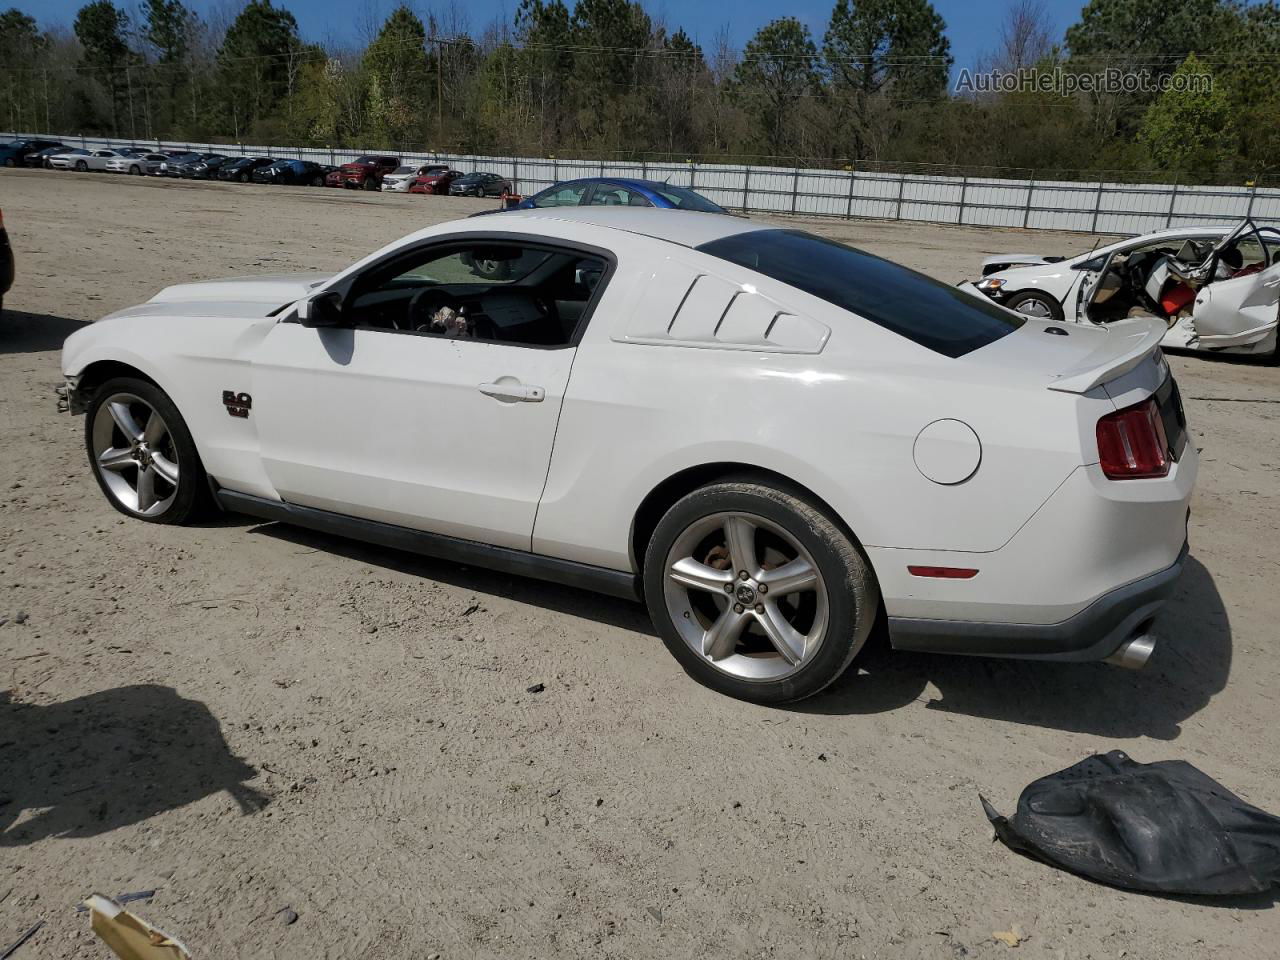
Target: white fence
pixel 1093 207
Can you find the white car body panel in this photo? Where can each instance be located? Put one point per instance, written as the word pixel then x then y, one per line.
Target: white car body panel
pixel 94 160
pixel 393 428
pixel 1233 316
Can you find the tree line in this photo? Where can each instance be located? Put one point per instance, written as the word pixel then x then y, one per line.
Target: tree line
pixel 604 78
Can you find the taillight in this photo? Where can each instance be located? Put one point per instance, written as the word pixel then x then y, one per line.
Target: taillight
pixel 1132 443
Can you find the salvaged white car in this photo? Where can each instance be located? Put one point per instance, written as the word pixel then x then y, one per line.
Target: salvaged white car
pixel 1216 289
pixel 777 441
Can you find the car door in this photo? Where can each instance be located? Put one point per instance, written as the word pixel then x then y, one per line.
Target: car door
pixel 97 159
pixel 441 433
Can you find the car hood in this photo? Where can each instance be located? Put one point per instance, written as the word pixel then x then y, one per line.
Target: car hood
pixel 1019 260
pixel 274 289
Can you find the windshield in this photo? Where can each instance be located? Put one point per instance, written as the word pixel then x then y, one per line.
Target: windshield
pixel 365 160
pixel 688 200
pixel 403 170
pixel 926 311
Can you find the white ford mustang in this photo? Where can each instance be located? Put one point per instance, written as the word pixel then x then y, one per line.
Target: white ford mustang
pixel 1216 289
pixel 775 440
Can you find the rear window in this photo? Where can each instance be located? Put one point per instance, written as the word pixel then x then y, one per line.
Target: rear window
pixel 684 199
pixel 926 311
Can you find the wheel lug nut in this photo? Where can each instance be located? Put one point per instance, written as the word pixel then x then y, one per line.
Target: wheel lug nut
pixel 737 608
pixel 759 608
pixel 743 575
pixel 763 588
pixel 728 588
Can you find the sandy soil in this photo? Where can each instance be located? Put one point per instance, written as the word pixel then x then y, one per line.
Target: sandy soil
pixel 247 717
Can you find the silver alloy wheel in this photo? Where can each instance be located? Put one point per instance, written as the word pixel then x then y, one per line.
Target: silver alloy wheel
pixel 1034 307
pixel 133 453
pixel 746 596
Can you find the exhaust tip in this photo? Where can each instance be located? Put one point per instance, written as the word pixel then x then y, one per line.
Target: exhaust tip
pixel 1134 653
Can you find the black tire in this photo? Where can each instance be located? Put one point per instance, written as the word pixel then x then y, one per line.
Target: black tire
pixel 370 183
pixel 317 181
pixel 244 178
pixel 1051 305
pixel 135 170
pixel 81 167
pixel 852 594
pixel 192 496
pixel 10 162
pixel 480 192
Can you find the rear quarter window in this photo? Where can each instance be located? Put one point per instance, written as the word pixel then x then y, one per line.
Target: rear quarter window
pixel 926 311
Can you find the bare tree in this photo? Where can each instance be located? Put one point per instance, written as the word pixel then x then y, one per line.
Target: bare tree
pixel 1024 37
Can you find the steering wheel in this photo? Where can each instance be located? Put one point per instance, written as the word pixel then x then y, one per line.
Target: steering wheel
pixel 423 306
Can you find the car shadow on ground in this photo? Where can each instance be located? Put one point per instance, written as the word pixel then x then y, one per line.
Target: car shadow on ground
pixel 1191 663
pixel 34 332
pixel 624 614
pixel 110 759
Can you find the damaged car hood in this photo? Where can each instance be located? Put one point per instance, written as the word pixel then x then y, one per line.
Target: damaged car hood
pixel 1002 261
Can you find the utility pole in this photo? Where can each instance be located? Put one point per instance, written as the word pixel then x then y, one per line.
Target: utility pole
pixel 133 127
pixel 439 91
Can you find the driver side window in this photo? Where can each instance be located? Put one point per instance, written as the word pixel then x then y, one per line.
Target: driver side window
pixel 568 196
pixel 532 294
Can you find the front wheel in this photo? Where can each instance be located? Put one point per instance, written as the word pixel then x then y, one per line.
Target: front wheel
pixel 757 593
pixel 370 184
pixel 10 162
pixel 480 192
pixel 244 178
pixel 135 170
pixel 142 453
pixel 81 166
pixel 1033 303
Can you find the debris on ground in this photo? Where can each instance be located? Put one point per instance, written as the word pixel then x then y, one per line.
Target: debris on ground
pixel 13 948
pixel 1011 937
pixel 535 688
pixel 1162 827
pixel 288 915
pixel 129 936
pixel 121 898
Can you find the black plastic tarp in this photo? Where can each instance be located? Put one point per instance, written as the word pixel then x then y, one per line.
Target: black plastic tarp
pixel 1162 827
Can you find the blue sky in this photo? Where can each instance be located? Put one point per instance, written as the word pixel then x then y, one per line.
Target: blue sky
pixel 972 25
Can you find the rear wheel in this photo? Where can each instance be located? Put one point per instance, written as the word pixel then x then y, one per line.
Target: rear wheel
pixel 136 170
pixel 81 166
pixel 317 181
pixel 480 192
pixel 1033 303
pixel 244 178
pixel 142 453
pixel 10 162
pixel 757 593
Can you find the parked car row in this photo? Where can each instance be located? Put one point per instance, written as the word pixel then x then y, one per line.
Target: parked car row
pixel 382 172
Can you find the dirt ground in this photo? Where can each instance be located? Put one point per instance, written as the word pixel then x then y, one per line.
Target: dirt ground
pixel 246 717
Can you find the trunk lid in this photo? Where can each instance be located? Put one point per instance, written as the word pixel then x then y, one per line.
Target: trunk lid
pixel 1074 357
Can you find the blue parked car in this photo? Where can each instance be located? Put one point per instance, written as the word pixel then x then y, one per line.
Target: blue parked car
pixel 619 192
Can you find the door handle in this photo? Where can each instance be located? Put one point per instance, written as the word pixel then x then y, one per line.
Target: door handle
pixel 510 390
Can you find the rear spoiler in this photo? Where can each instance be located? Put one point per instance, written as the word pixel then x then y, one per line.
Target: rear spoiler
pixel 1133 341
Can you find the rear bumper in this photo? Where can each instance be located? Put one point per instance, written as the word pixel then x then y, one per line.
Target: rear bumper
pixel 1095 633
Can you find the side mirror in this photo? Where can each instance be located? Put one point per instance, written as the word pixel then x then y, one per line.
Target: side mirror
pixel 322 310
